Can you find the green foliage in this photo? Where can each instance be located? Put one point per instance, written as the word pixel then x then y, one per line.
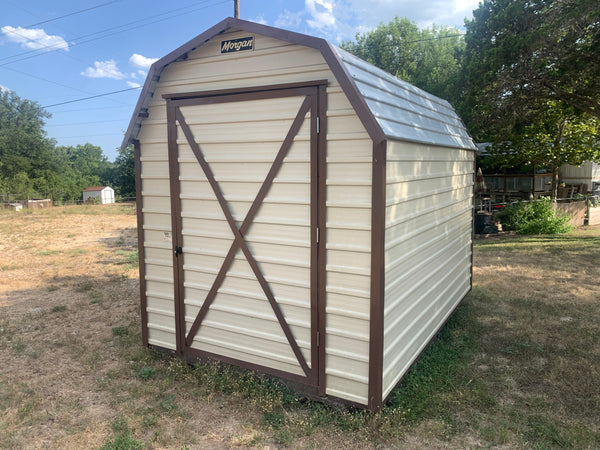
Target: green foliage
pixel 122 174
pixel 145 373
pixel 31 166
pixel 537 217
pixel 530 82
pixel 123 439
pixel 120 331
pixel 429 58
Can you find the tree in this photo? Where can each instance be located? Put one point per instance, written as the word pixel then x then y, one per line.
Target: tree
pixel 81 166
pixel 527 83
pixel 24 147
pixel 124 172
pixel 428 58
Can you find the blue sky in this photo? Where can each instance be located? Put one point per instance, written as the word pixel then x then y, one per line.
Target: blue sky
pixel 63 50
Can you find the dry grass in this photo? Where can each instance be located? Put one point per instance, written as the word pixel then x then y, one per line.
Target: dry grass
pixel 518 367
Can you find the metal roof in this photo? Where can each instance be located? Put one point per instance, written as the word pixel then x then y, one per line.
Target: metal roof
pixel 387 106
pixel 404 111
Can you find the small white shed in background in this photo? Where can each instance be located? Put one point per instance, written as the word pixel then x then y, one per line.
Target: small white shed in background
pixel 99 194
pixel 303 213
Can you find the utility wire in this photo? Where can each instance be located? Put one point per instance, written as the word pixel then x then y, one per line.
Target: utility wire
pixel 93 96
pixel 71 14
pixel 89 123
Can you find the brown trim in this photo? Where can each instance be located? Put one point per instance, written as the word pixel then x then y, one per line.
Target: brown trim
pixel 314 233
pixel 194 352
pixel 378 183
pixel 177 239
pixel 239 241
pixel 243 96
pixel 322 245
pixel 473 216
pixel 140 237
pixel 354 96
pixel 244 90
pixel 296 384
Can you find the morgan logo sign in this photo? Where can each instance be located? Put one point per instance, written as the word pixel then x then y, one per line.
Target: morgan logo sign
pixel 237 45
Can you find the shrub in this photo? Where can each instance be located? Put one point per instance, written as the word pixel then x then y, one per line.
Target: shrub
pixel 537 217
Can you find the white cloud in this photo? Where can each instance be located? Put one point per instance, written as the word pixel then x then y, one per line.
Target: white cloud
pixel 4 88
pixel 321 12
pixel 133 84
pixel 104 69
pixel 34 38
pixel 289 20
pixel 259 19
pixel 141 62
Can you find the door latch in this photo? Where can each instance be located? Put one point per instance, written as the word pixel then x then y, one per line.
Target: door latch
pixel 178 251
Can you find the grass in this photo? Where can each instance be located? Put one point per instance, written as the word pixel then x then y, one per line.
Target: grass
pixel 516 366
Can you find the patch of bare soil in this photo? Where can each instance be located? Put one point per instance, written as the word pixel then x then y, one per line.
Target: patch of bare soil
pixel 67 282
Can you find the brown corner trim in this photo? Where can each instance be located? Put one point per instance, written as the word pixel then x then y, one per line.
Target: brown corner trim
pixel 322 245
pixel 140 237
pixel 175 226
pixel 378 183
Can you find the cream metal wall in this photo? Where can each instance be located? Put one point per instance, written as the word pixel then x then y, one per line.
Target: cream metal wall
pixel 348 199
pixel 588 173
pixel 427 247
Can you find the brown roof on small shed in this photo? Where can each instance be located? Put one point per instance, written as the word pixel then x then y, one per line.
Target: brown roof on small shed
pixel 95 188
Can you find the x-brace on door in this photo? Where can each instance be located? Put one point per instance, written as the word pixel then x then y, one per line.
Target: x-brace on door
pixel 247 198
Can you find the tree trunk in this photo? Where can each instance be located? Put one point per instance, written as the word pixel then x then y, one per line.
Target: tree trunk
pixel 554 182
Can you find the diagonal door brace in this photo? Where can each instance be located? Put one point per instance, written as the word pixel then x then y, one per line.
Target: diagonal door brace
pixel 239 241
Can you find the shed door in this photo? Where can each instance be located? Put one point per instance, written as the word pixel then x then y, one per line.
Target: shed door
pixel 244 168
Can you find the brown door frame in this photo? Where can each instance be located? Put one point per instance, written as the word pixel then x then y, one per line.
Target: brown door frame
pixel 315 98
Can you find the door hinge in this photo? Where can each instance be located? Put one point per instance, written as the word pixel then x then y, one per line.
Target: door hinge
pixel 318 234
pixel 318 124
pixel 318 339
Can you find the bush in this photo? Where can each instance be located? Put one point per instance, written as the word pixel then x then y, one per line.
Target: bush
pixel 537 217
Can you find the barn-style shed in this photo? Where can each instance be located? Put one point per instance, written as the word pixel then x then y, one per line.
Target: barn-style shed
pixel 303 213
pixel 100 194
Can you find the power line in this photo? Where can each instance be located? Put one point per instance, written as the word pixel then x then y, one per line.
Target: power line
pixel 89 123
pixel 71 14
pixel 54 113
pixel 93 96
pixel 87 136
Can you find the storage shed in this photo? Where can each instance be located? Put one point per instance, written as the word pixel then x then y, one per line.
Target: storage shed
pixel 303 213
pixel 99 194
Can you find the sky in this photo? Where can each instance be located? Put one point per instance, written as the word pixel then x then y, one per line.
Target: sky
pixel 60 53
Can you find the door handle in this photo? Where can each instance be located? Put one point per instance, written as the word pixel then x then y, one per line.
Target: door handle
pixel 178 251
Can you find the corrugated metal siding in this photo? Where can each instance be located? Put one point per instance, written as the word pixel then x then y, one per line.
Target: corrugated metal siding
pixel 158 260
pixel 588 173
pixel 428 247
pixel 404 111
pixel 348 218
pixel 348 242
